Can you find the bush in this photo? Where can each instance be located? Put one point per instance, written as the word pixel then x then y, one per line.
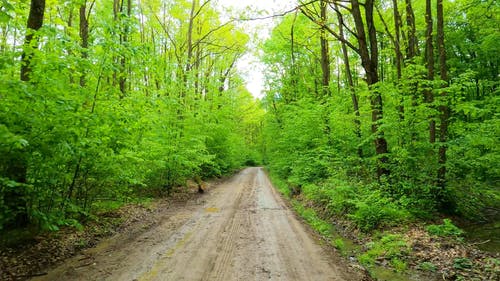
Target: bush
pixel 427 266
pixel 375 211
pixel 445 229
pixel 391 247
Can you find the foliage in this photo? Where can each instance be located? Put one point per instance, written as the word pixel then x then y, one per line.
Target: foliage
pixel 445 229
pixel 427 266
pixel 376 211
pixel 310 216
pixel 144 105
pixel 391 247
pixel 320 140
pixel 462 263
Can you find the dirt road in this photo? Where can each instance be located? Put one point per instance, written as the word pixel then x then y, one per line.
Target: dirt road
pixel 239 230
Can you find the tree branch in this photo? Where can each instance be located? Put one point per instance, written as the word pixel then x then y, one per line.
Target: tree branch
pixel 277 15
pixel 331 31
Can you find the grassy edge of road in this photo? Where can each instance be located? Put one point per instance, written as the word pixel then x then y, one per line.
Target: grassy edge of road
pixel 412 251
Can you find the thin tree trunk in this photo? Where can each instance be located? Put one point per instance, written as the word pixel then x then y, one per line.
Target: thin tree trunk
pixel 399 54
pixel 69 50
pixel 428 95
pixel 325 70
pixel 325 54
pixel 84 39
pixel 444 109
pixel 397 38
pixel 123 41
pixel 293 59
pixel 350 82
pixel 190 36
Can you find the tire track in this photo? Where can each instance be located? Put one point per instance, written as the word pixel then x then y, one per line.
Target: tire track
pixel 227 245
pixel 240 230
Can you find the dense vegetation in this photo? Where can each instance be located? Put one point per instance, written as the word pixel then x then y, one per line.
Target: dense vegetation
pixel 108 101
pixel 379 111
pixel 387 111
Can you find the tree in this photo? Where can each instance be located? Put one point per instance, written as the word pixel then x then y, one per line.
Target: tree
pixel 443 108
pixel 429 52
pixel 69 146
pixel 35 22
pixel 367 49
pixel 437 114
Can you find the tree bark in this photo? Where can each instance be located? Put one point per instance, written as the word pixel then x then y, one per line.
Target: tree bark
pixel 17 166
pixel 397 38
pixel 325 54
pixel 444 109
pixel 369 61
pixel 123 41
pixel 84 39
pixel 412 44
pixel 190 36
pixel 429 48
pixel 35 22
pixel 350 82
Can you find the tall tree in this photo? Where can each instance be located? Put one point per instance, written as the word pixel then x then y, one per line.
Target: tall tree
pixel 397 37
pixel 368 51
pixel 443 107
pixel 84 35
pixel 325 53
pixel 350 80
pixel 429 58
pixel 411 34
pixel 35 22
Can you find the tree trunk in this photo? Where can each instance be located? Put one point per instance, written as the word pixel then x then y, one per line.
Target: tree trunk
pixel 190 36
pixel 123 41
pixel 293 66
pixel 84 39
pixel 412 44
pixel 429 97
pixel 325 54
pixel 17 167
pixel 350 82
pixel 444 109
pixel 35 22
pixel 369 61
pixel 397 37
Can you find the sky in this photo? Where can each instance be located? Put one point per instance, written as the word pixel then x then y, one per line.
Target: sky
pixel 250 67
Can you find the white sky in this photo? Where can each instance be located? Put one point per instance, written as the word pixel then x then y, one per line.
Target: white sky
pixel 249 65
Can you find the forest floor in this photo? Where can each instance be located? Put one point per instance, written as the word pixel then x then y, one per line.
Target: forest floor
pixel 240 229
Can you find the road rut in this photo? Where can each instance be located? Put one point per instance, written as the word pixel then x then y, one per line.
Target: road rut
pixel 239 230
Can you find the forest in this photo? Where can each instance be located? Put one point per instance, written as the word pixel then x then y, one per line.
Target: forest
pixel 381 113
pixel 105 101
pixel 387 110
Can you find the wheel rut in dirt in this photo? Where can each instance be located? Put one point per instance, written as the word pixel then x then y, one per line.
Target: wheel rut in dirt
pixel 239 230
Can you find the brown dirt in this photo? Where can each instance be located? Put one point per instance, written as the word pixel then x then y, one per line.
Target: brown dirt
pixel 32 256
pixel 239 230
pixel 454 260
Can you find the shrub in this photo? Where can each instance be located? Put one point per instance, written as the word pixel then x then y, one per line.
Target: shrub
pixel 462 263
pixel 391 247
pixel 375 211
pixel 427 266
pixel 445 229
